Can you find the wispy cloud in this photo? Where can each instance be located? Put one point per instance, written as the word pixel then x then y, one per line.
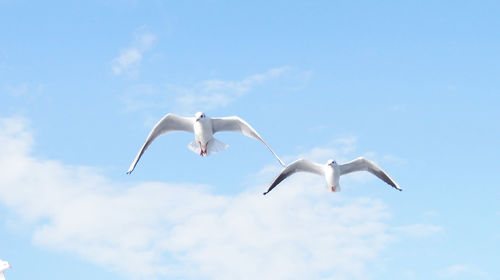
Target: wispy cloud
pixel 129 59
pixel 17 90
pixel 340 149
pixel 218 93
pixel 394 160
pixel 23 90
pixel 419 230
pixel 460 270
pixel 153 229
pixel 204 95
pixel 430 213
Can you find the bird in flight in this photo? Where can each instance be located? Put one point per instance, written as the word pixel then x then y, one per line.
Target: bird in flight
pixel 203 128
pixel 332 172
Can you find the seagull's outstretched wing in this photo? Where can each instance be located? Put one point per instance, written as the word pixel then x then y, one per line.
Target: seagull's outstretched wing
pixel 237 124
pixel 169 123
pixel 296 166
pixel 362 164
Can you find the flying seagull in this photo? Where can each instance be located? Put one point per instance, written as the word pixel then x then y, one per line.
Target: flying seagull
pixel 332 171
pixel 203 128
pixel 3 266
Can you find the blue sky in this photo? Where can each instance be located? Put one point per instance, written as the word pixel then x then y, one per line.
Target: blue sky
pixel 412 86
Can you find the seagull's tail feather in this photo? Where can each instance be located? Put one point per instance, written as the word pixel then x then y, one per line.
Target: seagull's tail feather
pixel 214 146
pixel 195 147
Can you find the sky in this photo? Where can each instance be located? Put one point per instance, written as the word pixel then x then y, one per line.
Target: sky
pixel 411 85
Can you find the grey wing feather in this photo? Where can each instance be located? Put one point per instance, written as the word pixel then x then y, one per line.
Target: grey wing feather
pixel 236 124
pixel 296 166
pixel 362 164
pixel 168 123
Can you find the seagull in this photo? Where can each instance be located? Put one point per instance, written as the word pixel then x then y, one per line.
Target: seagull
pixel 203 128
pixel 3 266
pixel 332 171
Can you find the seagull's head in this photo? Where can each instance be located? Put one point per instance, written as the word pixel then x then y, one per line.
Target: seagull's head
pixel 4 266
pixel 200 116
pixel 332 163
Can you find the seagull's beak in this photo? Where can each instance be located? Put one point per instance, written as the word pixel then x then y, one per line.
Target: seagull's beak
pixel 197 119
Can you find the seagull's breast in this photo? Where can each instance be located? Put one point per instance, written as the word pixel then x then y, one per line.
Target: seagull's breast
pixel 332 176
pixel 203 131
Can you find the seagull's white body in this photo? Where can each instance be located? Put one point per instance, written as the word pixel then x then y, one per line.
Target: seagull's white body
pixel 3 266
pixel 332 171
pixel 203 129
pixel 203 132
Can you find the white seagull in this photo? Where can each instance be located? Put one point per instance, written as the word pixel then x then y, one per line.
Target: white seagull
pixel 332 171
pixel 203 128
pixel 3 267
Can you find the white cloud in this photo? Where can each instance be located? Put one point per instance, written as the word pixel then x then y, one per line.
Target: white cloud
pixel 419 230
pixel 17 90
pixel 23 90
pixel 430 214
pixel 211 94
pixel 129 59
pixel 202 96
pixel 153 229
pixel 460 270
pixel 394 160
pixel 318 128
pixel 340 149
